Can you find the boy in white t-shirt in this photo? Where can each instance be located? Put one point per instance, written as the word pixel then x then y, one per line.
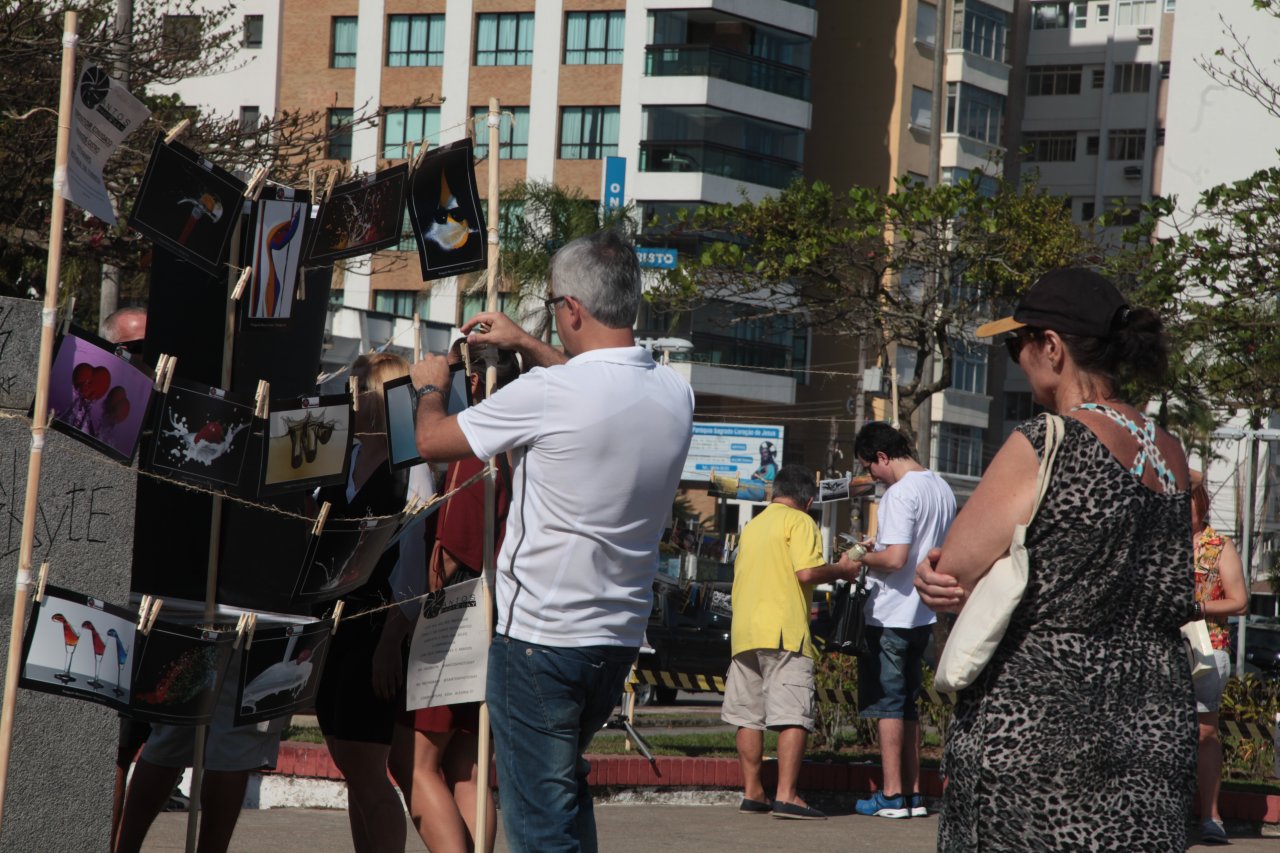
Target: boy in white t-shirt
pixel 915 513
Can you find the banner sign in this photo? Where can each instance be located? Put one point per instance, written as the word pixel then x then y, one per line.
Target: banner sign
pixel 656 257
pixel 104 114
pixel 615 183
pixel 749 453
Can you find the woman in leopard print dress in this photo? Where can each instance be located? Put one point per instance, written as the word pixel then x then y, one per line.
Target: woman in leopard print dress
pixel 1080 733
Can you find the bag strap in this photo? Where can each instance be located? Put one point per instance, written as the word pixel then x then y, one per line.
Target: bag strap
pixel 1054 430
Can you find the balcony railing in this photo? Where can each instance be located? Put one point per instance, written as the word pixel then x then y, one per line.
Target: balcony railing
pixel 702 60
pixel 713 159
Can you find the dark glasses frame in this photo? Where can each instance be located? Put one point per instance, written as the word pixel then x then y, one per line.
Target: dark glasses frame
pixel 1016 341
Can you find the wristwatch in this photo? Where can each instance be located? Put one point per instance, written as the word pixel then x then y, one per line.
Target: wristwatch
pixel 419 393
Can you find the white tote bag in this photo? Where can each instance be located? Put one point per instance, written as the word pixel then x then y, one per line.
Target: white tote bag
pixel 1199 648
pixel 986 614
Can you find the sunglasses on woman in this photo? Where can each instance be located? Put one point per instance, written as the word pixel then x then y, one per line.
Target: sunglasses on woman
pixel 1015 342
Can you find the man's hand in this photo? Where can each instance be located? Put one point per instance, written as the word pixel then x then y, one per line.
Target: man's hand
pixel 849 567
pixel 942 593
pixel 432 370
pixel 497 329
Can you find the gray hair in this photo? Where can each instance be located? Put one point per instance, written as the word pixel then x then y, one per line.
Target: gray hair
pixel 601 272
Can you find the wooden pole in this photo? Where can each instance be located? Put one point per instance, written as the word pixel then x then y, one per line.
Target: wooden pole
pixel 485 748
pixel 40 412
pixel 417 337
pixel 215 538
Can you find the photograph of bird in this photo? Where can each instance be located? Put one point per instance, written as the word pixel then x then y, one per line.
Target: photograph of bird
pixel 99 648
pixel 289 676
pixel 70 639
pixel 449 229
pixel 122 655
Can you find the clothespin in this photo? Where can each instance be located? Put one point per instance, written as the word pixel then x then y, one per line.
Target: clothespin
pixel 151 618
pixel 337 614
pixel 318 527
pixel 161 363
pixel 466 356
pixel 302 285
pixel 143 609
pixel 353 384
pixel 311 183
pixel 331 180
pixel 422 149
pixel 411 506
pixel 241 282
pixel 44 577
pixel 240 625
pixel 168 374
pixel 250 627
pixel 262 400
pixel 177 131
pixel 256 183
pixel 71 313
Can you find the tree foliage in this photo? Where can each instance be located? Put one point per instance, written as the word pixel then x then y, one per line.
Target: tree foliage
pixel 918 267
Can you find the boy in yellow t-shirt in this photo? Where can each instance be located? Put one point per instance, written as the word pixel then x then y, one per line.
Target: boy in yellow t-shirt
pixel 770 681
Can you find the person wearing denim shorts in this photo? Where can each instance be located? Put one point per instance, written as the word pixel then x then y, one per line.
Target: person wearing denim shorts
pixel 597 444
pixel 915 514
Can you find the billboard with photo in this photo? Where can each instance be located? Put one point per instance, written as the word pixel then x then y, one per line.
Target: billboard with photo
pixel 748 453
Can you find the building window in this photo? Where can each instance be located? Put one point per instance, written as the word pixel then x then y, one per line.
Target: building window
pixel 588 133
pixel 1099 77
pixel 959 450
pixel 1080 15
pixel 402 127
pixel 1050 146
pixel 1131 77
pixel 1049 16
pixel 1170 5
pixel 1165 68
pixel 513 133
pixel 401 303
pixel 1104 12
pixel 926 24
pixel 1134 12
pixel 975 112
pixel 505 39
pixel 968 366
pixel 593 38
pixel 1019 406
pixel 1091 146
pixel 252 32
pixel 1087 211
pixel 180 36
pixel 250 118
pixel 921 108
pixel 1126 144
pixel 343 50
pixel 1054 79
pixel 415 41
pixel 339 147
pixel 981 29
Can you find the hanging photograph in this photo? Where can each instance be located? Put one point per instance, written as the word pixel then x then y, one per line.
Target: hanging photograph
pixel 278 234
pixel 178 672
pixel 280 670
pixel 97 396
pixel 344 556
pixel 79 646
pixel 444 209
pixel 360 217
pixel 308 443
pixel 187 204
pixel 201 434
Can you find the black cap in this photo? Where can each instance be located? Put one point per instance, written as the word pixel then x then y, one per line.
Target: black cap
pixel 1069 301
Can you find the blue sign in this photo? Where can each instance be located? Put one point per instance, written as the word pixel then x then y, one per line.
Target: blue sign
pixel 656 258
pixel 615 183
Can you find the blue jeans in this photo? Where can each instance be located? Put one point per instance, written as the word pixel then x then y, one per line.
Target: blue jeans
pixel 545 705
pixel 889 677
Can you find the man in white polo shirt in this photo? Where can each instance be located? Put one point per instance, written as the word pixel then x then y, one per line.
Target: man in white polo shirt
pixel 597 441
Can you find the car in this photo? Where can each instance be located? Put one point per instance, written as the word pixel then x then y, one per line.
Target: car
pixel 688 632
pixel 1262 648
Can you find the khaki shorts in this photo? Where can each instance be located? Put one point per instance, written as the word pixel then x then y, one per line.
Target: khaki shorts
pixel 769 689
pixel 1210 685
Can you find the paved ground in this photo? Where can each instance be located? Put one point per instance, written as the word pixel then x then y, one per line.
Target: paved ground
pixel 623 829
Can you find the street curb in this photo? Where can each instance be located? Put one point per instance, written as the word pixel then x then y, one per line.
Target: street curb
pixel 312 761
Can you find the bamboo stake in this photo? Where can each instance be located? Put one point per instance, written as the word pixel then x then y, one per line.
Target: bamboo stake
pixel 485 747
pixel 234 284
pixel 417 337
pixel 40 417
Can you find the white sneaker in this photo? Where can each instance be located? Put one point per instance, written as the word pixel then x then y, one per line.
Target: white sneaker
pixel 917 806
